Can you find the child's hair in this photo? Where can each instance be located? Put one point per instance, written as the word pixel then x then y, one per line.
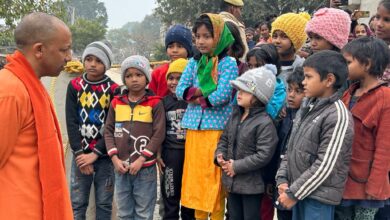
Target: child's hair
pixel 203 20
pixel 368 30
pixel 237 49
pixel 370 50
pixel 296 77
pixel 268 24
pixel 328 61
pixel 385 3
pixel 266 53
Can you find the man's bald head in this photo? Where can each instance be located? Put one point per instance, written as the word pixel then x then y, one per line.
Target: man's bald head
pixel 37 27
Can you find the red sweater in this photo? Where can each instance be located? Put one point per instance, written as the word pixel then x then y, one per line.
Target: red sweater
pixel 158 83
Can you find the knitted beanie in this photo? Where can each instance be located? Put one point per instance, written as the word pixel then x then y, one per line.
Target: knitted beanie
pixel 99 50
pixel 259 81
pixel 332 24
pixel 177 66
pixel 238 3
pixel 138 62
pixel 293 25
pixel 180 34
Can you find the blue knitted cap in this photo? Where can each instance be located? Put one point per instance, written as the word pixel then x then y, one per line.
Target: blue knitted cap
pixel 180 34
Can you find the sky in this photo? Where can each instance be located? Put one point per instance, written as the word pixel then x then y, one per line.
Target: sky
pixel 122 11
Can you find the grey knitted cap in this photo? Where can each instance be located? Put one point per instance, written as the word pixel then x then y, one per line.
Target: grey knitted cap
pixel 99 50
pixel 138 62
pixel 260 82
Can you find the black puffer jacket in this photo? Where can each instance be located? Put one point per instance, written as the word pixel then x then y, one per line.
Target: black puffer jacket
pixel 251 144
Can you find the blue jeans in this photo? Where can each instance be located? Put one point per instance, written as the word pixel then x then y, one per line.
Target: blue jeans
pixel 80 187
pixel 136 195
pixel 309 209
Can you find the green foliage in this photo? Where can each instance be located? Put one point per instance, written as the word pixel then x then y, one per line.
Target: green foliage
pixel 122 45
pixel 92 10
pixel 159 53
pixel 85 32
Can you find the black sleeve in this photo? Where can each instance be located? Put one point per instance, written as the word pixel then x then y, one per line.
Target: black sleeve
pixel 72 122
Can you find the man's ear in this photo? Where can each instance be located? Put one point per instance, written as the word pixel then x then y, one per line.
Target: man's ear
pixel 37 50
pixel 330 80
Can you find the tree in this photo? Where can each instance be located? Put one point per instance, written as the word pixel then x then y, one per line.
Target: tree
pixel 254 11
pixel 85 32
pixel 92 10
pixel 122 44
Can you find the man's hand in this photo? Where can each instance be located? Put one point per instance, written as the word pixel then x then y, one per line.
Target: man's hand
pixel 86 159
pixel 282 188
pixel 120 166
pixel 220 160
pixel 286 201
pixel 160 164
pixel 87 170
pixel 136 165
pixel 228 168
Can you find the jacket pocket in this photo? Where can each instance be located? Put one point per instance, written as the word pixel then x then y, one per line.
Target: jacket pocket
pixel 360 170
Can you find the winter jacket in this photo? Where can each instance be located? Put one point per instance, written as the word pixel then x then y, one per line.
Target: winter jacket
pixel 158 83
pixel 133 131
pixel 370 163
pixel 86 108
pixel 251 144
pixel 319 150
pixel 288 70
pixel 215 116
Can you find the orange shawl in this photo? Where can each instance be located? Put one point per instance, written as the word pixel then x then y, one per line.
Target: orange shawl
pixel 55 194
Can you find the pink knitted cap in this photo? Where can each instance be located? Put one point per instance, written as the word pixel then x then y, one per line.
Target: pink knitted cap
pixel 332 24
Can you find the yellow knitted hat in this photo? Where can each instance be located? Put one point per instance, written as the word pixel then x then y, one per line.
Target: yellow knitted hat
pixel 293 25
pixel 177 66
pixel 238 3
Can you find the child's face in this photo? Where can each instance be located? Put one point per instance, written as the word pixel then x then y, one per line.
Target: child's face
pixel 172 81
pixel 295 96
pixel 245 99
pixel 252 63
pixel 313 86
pixel 204 40
pixel 135 80
pixel 264 31
pixel 282 43
pixel 176 50
pixel 382 21
pixel 360 31
pixel 94 67
pixel 318 43
pixel 249 37
pixel 356 70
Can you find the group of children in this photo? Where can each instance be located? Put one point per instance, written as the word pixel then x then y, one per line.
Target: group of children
pixel 277 131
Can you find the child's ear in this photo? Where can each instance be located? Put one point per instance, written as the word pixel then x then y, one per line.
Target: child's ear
pixel 367 67
pixel 330 80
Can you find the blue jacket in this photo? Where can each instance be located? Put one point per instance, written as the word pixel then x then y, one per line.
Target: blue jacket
pixel 216 116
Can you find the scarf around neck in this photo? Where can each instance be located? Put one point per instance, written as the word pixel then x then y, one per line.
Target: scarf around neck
pixel 207 73
pixel 55 194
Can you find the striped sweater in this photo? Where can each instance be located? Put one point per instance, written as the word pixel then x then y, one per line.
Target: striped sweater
pixel 319 150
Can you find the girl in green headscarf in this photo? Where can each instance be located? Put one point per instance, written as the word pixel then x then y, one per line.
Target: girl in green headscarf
pixel 205 86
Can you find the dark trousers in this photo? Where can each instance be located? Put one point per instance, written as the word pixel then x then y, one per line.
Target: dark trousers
pixel 309 209
pixel 383 213
pixel 244 207
pixel 171 185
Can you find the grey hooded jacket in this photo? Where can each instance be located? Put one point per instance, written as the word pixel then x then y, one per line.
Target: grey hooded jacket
pixel 318 151
pixel 251 144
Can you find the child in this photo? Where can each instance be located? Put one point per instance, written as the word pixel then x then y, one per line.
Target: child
pixel 328 29
pixel 87 101
pixel 312 174
pixel 295 96
pixel 248 143
pixel 178 43
pixel 382 30
pixel 362 30
pixel 264 30
pixel 135 130
pixel 205 86
pixel 250 33
pixel 172 156
pixel 268 54
pixel 367 187
pixel 237 49
pixel 288 35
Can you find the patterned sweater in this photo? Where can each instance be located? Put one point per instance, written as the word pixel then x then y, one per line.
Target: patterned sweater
pixel 87 105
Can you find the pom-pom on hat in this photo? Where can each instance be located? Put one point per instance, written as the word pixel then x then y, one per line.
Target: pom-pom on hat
pixel 293 25
pixel 99 50
pixel 177 66
pixel 259 81
pixel 137 62
pixel 180 34
pixel 331 24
